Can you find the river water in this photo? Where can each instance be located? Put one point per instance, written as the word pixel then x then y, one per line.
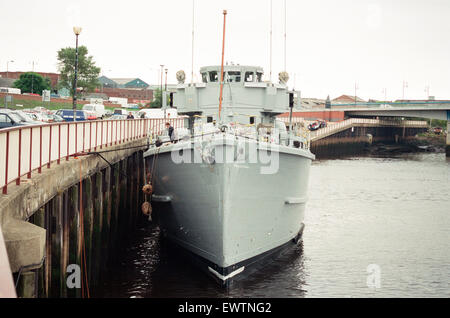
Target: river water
pixel 375 227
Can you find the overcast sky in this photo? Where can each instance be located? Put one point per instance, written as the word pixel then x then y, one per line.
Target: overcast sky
pixel 331 44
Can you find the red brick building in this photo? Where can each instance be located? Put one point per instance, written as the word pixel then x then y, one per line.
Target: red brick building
pixel 54 77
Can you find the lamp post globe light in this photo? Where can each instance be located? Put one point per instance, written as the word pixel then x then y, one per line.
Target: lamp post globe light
pixel 77 31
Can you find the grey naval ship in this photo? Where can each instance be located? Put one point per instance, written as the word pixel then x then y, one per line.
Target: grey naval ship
pixel 233 181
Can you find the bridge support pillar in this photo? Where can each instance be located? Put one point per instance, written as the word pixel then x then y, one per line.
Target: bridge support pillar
pixel 447 148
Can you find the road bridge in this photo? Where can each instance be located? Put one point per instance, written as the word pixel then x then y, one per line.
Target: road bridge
pixel 427 109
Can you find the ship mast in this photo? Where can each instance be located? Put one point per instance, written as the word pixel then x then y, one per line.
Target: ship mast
pixel 270 73
pixel 192 62
pixel 221 67
pixel 285 36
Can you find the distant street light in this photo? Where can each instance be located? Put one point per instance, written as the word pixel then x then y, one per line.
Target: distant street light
pixel 356 87
pixel 7 67
pixel 165 92
pixel 77 31
pixel 165 88
pixel 427 89
pixel 405 85
pixel 162 66
pixel 32 76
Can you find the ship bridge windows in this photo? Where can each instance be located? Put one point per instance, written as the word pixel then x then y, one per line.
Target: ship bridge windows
pixel 214 76
pixel 205 77
pixel 249 76
pixel 259 76
pixel 233 76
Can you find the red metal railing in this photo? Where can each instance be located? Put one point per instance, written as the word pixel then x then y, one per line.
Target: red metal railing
pixel 25 149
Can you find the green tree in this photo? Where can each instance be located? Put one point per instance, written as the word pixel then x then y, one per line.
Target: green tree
pixel 157 101
pixel 88 73
pixel 32 83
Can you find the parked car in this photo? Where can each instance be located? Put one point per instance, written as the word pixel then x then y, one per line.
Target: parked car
pixel 67 114
pixel 26 119
pixel 45 117
pixel 108 113
pixel 117 116
pixel 97 109
pixel 317 124
pixel 56 118
pixel 157 113
pixel 90 115
pixel 120 111
pixel 9 119
pixel 40 109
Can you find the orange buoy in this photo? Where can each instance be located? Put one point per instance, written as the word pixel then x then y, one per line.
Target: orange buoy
pixel 147 189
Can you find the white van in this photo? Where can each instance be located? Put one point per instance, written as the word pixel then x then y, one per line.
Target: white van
pixel 158 113
pixel 97 109
pixel 120 111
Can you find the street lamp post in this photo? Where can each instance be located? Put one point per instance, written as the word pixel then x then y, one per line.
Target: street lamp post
pixel 7 67
pixel 77 31
pixel 405 85
pixel 427 90
pixel 165 88
pixel 32 76
pixel 165 94
pixel 162 66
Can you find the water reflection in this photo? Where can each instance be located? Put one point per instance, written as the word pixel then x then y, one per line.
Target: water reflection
pixel 393 212
pixel 153 268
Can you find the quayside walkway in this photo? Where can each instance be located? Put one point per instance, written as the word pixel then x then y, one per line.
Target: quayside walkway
pixel 58 201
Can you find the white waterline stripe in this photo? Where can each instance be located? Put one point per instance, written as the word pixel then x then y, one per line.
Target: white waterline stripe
pixel 224 278
pixel 295 200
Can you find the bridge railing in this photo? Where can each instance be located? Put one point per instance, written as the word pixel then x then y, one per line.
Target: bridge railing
pixel 334 127
pixel 27 149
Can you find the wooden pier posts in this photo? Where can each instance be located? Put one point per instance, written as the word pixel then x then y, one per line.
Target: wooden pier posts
pixel 110 206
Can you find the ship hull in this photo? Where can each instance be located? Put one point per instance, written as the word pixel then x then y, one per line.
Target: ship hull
pixel 230 213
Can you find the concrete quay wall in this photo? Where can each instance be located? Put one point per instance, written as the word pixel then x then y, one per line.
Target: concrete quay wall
pixel 53 220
